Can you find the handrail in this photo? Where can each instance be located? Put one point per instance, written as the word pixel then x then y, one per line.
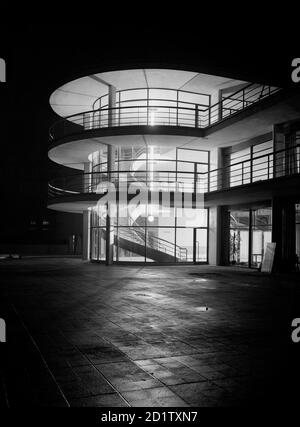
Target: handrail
pixel 173 247
pixel 87 182
pixel 151 88
pixel 166 115
pixel 265 166
pixel 255 158
pixel 276 164
pixel 169 248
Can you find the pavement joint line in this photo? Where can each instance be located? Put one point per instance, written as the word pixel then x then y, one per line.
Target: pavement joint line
pixel 103 376
pixel 157 379
pixel 40 354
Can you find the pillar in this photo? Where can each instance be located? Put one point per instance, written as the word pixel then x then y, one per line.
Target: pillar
pixel 110 167
pixel 219 174
pixel 87 178
pixel 220 104
pixel 214 235
pixel 278 144
pixel 224 236
pixel 109 221
pixel 111 104
pixel 86 235
pixel 283 233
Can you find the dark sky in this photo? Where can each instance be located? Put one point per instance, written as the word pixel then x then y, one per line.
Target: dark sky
pixel 41 56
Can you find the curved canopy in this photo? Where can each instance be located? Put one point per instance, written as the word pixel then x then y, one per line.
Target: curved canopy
pixel 80 94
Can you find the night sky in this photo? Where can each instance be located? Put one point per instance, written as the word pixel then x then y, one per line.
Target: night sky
pixel 41 57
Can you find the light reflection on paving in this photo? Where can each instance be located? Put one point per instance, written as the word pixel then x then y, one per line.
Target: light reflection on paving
pixel 90 335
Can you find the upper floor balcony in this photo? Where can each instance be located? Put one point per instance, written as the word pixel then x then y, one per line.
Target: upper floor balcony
pixel 158 107
pixel 159 175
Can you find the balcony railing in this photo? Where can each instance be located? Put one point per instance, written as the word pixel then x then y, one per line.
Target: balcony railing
pixel 260 168
pixel 266 166
pixel 161 112
pixel 93 182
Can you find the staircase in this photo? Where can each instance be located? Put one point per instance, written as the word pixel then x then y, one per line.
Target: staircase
pixel 159 250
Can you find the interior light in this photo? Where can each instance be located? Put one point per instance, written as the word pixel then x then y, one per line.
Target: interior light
pixel 150 218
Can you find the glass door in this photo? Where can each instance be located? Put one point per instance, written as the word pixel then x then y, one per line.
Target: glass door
pixel 200 245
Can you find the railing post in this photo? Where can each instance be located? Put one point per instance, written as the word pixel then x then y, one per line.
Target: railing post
pixel 109 220
pixel 147 107
pixel 242 173
pixel 221 109
pixel 177 107
pixel 111 105
pixel 196 115
pixel 251 163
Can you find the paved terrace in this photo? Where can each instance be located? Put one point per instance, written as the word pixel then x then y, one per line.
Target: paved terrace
pixel 81 334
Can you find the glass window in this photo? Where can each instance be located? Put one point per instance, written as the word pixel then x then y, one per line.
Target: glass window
pixel 239 237
pixel 197 156
pixel 185 245
pixel 130 244
pixel 261 234
pixel 151 232
pixel 201 245
pixel 189 217
pixel 161 244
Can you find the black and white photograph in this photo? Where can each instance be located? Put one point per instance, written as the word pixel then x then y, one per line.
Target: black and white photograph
pixel 150 219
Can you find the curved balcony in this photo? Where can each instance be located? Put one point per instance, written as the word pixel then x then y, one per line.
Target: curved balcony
pixel 163 181
pixel 265 166
pixel 159 107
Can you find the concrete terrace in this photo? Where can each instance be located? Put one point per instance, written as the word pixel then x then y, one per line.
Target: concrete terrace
pixel 82 334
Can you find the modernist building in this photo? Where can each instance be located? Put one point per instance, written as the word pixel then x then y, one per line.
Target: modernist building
pixel 234 143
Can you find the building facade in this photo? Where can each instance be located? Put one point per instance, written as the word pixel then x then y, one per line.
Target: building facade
pixel 172 166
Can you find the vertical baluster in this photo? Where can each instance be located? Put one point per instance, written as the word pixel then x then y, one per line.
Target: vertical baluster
pixel 196 115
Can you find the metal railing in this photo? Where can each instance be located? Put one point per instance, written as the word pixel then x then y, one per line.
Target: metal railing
pixel 176 97
pixel 147 239
pixel 236 102
pixel 96 182
pixel 161 112
pixel 259 167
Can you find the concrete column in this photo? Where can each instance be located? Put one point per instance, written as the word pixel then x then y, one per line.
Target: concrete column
pixel 87 178
pixel 279 144
pixel 86 235
pixel 224 169
pixel 288 234
pixel 277 230
pixel 110 168
pixel 220 104
pixel 283 233
pixel 215 236
pixel 224 236
pixel 109 220
pixel 111 104
pixel 216 164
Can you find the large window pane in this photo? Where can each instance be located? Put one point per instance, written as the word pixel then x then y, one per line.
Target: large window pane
pixel 161 244
pixel 130 244
pixel 201 245
pixel 188 217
